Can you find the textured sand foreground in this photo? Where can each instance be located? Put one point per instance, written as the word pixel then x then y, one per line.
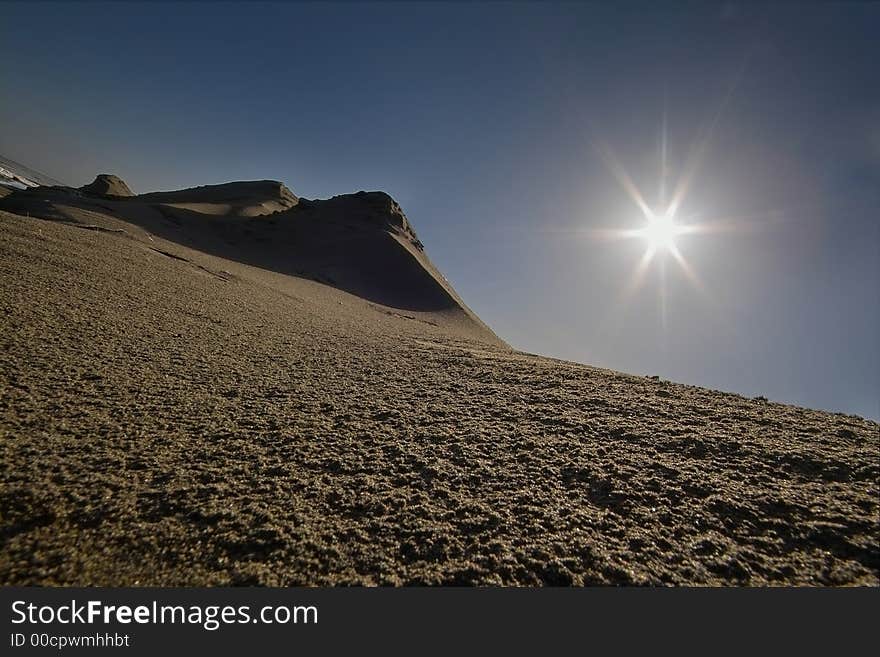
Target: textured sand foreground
pixel 170 416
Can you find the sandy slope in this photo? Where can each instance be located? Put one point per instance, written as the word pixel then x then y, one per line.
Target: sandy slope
pixel 168 416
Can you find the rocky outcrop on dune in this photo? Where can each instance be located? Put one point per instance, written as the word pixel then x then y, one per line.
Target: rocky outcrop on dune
pixel 376 208
pixel 106 184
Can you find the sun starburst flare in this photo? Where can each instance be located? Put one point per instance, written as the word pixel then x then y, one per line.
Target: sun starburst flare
pixel 658 229
pixel 661 228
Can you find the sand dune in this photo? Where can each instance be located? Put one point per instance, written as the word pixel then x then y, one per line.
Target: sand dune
pixel 360 243
pixel 189 396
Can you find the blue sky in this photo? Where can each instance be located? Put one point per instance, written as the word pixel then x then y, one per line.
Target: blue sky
pixel 482 120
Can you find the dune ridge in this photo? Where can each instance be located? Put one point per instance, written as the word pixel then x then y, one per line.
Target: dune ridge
pixel 361 243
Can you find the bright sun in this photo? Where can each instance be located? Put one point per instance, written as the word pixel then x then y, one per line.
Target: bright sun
pixel 660 231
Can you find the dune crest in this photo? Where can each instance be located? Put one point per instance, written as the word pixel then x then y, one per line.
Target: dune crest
pixel 360 243
pixel 242 199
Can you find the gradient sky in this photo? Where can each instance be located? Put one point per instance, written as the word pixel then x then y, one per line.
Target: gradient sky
pixel 483 121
